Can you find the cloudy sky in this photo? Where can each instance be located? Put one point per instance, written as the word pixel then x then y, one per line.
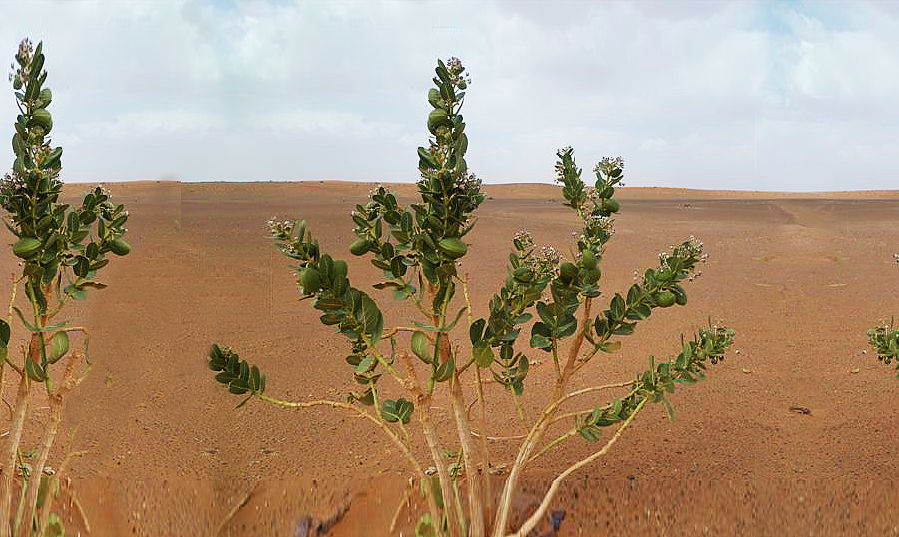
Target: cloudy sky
pixel 756 96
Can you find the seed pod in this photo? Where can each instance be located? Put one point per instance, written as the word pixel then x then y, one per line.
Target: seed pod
pixel 41 118
pixel 340 270
pixel 360 246
pixel 611 205
pixel 26 247
pixel 592 275
pixel 452 247
pixel 311 280
pixel 437 118
pixel 665 299
pixel 567 273
pixel 588 260
pixel 119 247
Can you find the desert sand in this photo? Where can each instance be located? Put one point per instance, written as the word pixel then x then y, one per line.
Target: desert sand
pixel 799 276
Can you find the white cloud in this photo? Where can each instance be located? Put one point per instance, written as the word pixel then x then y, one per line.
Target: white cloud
pixel 696 94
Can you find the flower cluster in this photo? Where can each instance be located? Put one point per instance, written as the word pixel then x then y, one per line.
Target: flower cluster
pixel 470 182
pixel 12 187
pixel 280 229
pixel 608 164
pixel 523 241
pixel 692 247
pixel 546 261
pixel 457 73
pixel 23 57
pixel 560 165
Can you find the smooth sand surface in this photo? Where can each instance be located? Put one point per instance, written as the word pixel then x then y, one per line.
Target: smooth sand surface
pixel 800 277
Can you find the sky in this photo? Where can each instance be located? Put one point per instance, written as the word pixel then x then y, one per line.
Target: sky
pixel 785 96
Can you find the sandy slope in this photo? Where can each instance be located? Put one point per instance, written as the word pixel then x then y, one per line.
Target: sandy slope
pixel 800 277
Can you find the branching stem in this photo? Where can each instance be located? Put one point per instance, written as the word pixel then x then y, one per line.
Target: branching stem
pixel 538 515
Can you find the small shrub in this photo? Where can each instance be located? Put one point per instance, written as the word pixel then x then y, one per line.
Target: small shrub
pixel 418 249
pixel 61 250
pixel 885 339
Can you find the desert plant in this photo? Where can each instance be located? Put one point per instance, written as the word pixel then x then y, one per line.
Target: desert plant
pixel 419 249
pixel 885 339
pixel 61 248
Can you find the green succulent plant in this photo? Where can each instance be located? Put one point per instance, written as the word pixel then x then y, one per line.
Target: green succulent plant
pixel 417 249
pixel 61 249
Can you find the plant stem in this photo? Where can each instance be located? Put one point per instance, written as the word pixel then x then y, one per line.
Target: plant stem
pixel 424 417
pixel 485 451
pixel 381 425
pixel 538 515
pixel 594 389
pixel 423 403
pixel 487 491
pixel 537 431
pixel 56 402
pixel 578 340
pixel 553 444
pixel 475 499
pixel 12 452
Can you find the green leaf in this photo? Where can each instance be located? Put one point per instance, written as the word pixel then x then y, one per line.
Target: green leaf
pixel 668 408
pixel 4 334
pixel 421 347
pixel 453 324
pixel 617 307
pixel 397 410
pixel 540 342
pixel 610 347
pixel 476 331
pixel 483 355
pixel 21 316
pixel 365 365
pixel 34 371
pixel 444 371
pixel 59 346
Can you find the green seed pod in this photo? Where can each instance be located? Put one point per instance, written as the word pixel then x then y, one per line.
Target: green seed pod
pixel 437 118
pixel 41 118
pixel 588 260
pixel 453 247
pixel 119 247
pixel 340 270
pixel 310 280
pixel 360 246
pixel 26 247
pixel 665 299
pixel 44 98
pixel 567 273
pixel 611 205
pixel 592 275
